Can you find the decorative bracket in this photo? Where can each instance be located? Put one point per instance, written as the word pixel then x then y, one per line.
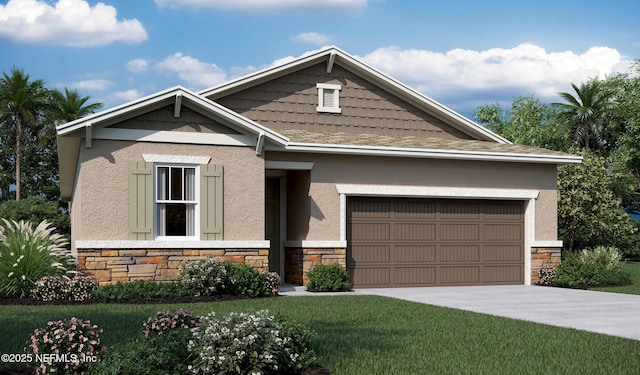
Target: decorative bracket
pixel 332 59
pixel 260 144
pixel 88 129
pixel 178 105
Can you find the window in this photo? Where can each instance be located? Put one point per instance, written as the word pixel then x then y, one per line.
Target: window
pixel 328 98
pixel 176 204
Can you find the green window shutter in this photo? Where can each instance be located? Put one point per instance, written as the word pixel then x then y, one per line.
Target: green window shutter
pixel 211 197
pixel 141 201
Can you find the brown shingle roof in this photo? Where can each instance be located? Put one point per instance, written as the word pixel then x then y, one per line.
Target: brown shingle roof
pixel 412 142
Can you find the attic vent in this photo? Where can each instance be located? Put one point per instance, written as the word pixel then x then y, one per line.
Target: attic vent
pixel 328 98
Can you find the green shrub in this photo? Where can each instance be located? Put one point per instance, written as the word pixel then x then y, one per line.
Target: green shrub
pixel 206 277
pixel 51 288
pixel 328 278
pixel 35 210
pixel 141 290
pixel 579 271
pixel 156 355
pixel 77 339
pixel 248 343
pixel 28 254
pixel 608 257
pixel 244 280
pixel 162 348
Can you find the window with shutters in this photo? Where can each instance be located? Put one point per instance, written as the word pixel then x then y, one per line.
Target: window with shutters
pixel 176 201
pixel 328 98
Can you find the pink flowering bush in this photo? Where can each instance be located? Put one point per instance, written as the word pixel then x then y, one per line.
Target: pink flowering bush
pixel 65 346
pixel 52 288
pixel 170 320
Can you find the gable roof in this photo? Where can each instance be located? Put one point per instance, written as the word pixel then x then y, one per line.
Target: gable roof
pixel 333 55
pixel 71 133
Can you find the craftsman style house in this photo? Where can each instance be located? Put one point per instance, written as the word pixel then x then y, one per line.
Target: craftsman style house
pixel 319 160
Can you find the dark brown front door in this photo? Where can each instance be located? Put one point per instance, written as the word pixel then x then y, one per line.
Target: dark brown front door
pixel 398 242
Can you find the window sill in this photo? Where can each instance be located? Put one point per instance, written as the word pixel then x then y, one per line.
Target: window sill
pixel 172 244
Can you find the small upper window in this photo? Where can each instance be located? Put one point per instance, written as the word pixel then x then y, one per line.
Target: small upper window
pixel 328 98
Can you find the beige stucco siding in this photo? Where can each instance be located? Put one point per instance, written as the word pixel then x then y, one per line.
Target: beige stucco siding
pixel 100 206
pixel 322 222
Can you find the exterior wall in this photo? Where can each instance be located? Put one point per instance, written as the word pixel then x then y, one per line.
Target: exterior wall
pixel 114 265
pixel 100 206
pixel 543 257
pixel 290 102
pixel 298 261
pixel 321 220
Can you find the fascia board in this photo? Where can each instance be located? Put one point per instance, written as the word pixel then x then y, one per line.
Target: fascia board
pixel 431 153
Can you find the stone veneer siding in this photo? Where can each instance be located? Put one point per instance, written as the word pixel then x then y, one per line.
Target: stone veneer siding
pixel 113 265
pixel 299 261
pixel 542 257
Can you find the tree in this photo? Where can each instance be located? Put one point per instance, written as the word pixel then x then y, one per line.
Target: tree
pixel 529 122
pixel 21 103
pixel 589 213
pixel 69 106
pixel 585 113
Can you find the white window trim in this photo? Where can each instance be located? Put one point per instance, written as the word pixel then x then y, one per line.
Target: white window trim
pixel 176 159
pixel 177 244
pixel 336 98
pixel 196 236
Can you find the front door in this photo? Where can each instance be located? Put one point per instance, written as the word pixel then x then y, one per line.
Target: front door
pixel 272 223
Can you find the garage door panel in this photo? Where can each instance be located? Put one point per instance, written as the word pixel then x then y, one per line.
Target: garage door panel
pixel 502 253
pixel 414 209
pixel 459 253
pixel 459 275
pixel 371 231
pixel 414 232
pixel 502 274
pixel 460 210
pixel 459 232
pixel 428 242
pixel 371 277
pixel 414 253
pixel 371 253
pixel 414 276
pixel 503 232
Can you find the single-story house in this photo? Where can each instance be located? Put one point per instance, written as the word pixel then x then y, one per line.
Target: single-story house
pixel 319 160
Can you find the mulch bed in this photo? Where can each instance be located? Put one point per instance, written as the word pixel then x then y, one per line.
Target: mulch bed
pixel 22 369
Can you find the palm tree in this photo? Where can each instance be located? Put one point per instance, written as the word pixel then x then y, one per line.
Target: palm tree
pixel 585 113
pixel 69 106
pixel 21 102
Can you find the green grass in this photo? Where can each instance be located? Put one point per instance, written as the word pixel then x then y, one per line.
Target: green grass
pixel 634 269
pixel 378 335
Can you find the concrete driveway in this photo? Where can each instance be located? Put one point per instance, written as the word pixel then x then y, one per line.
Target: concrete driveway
pixel 608 313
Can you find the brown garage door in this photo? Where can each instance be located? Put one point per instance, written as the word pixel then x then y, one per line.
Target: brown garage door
pixel 398 242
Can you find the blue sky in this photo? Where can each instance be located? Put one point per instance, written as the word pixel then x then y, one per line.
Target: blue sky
pixel 460 53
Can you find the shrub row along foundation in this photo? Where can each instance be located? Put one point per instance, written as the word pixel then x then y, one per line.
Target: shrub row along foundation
pixel 113 265
pixel 299 261
pixel 543 257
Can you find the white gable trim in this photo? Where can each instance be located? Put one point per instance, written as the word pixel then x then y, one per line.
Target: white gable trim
pixel 165 136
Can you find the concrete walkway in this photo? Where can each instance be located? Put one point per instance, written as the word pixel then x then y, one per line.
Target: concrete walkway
pixel 608 313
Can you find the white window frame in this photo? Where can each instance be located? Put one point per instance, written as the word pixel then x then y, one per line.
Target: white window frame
pixel 196 202
pixel 336 98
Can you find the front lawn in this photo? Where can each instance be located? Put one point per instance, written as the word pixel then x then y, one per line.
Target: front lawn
pixel 633 268
pixel 377 335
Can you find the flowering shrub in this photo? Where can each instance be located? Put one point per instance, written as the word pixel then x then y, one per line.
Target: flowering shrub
pixel 72 342
pixel 205 277
pixel 170 320
pixel 609 257
pixel 27 254
pixel 272 283
pixel 244 344
pixel 50 288
pixel 546 275
pixel 589 269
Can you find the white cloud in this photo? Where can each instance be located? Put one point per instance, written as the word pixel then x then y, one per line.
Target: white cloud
pixel 336 7
pixel 137 65
pixel 69 23
pixel 524 69
pixel 196 73
pixel 91 85
pixel 127 95
pixel 312 38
